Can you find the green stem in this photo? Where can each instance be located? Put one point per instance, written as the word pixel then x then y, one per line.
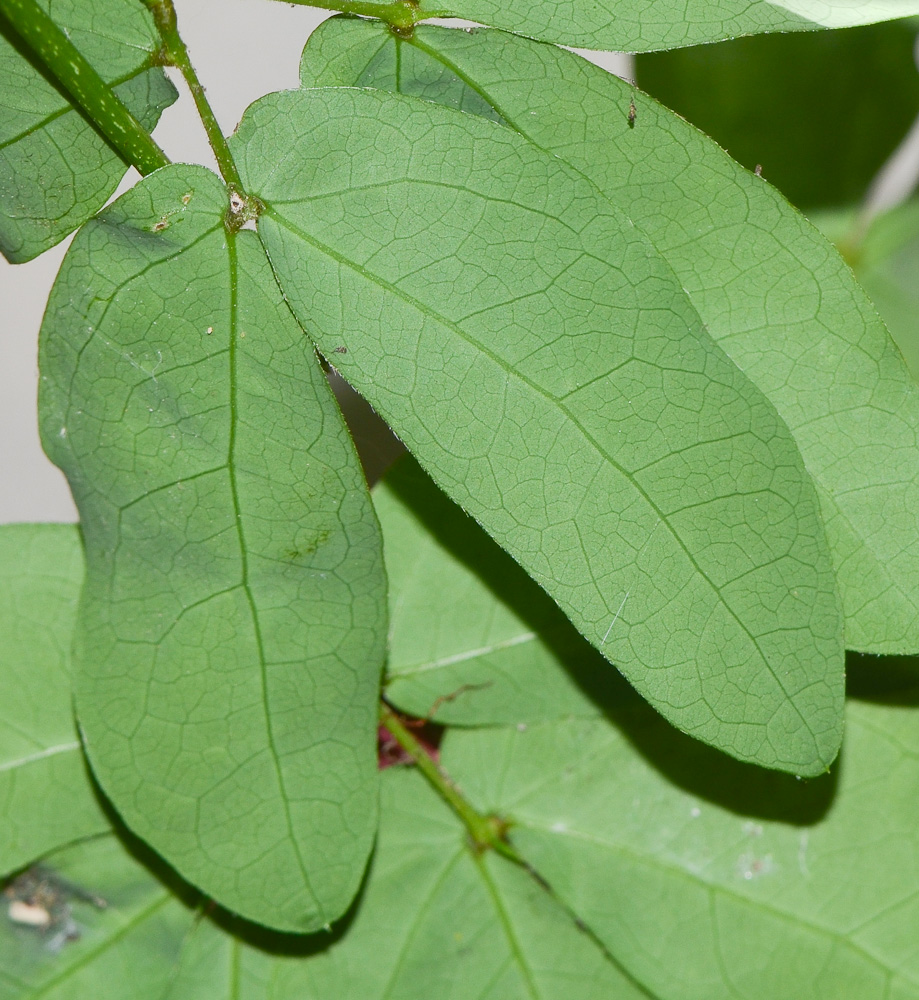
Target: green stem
pixel 177 55
pixel 486 832
pixel 402 15
pixel 60 57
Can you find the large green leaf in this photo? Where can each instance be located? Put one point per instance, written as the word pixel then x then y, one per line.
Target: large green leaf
pixel 434 920
pixel 44 799
pixel 55 169
pixel 766 284
pixel 572 405
pixel 666 24
pixel 706 878
pixel 472 639
pixel 231 631
pixel 791 103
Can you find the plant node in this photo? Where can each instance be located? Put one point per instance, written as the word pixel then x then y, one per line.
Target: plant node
pixel 242 208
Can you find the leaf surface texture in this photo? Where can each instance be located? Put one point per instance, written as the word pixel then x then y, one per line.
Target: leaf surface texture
pixel 231 632
pixel 434 920
pixel 665 24
pixel 544 366
pixel 770 291
pixel 472 640
pixel 708 878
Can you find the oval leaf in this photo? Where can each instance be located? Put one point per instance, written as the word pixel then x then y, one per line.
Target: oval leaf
pixel 44 797
pixel 769 289
pixel 706 878
pixel 56 170
pixel 545 367
pixel 231 629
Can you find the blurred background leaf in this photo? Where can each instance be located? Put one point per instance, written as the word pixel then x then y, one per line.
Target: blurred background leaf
pixel 820 111
pixel 884 254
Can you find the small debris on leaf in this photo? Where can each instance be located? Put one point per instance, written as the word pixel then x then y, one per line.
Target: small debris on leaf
pixel 40 900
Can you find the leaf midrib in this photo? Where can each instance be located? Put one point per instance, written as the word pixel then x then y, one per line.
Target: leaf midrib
pixel 411 670
pixel 53 751
pixel 526 973
pixel 232 257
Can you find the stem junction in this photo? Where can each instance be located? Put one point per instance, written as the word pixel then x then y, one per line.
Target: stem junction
pixel 486 832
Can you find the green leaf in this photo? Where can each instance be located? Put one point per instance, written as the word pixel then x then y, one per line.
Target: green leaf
pixel 885 259
pixel 472 639
pixel 231 631
pixel 792 104
pixel 631 27
pixel 706 878
pixel 767 286
pixel 126 948
pixel 55 169
pixel 44 798
pixel 576 408
pixel 435 919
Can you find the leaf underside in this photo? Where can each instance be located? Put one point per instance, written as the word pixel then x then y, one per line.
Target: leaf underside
pixel 769 289
pixel 574 407
pixel 885 260
pixel 45 799
pixel 627 26
pixel 231 629
pixel 705 877
pixel 56 171
pixel 697 875
pixel 434 920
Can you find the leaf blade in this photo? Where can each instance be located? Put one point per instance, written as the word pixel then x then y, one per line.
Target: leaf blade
pixel 128 945
pixel 421 346
pixel 703 877
pixel 772 294
pixel 232 621
pixel 619 25
pixel 431 917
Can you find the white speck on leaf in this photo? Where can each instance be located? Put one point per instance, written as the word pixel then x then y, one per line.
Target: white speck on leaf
pixel 616 616
pixel 752 867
